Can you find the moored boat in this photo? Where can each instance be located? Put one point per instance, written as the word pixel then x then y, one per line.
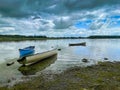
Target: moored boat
pixel 34 68
pixel 78 44
pixel 26 51
pixel 28 60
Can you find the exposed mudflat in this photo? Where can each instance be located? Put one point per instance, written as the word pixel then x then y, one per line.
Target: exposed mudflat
pixel 104 76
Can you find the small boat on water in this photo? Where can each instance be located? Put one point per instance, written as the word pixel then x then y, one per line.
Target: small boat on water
pixel 26 51
pixel 78 44
pixel 28 60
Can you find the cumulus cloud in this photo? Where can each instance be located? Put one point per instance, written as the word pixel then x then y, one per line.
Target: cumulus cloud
pixel 62 22
pixel 58 17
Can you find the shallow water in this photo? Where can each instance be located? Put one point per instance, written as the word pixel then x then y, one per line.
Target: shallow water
pixel 69 56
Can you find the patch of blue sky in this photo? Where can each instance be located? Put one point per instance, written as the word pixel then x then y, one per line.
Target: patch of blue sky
pixel 115 23
pixel 88 21
pixel 103 20
pixel 115 17
pixel 83 24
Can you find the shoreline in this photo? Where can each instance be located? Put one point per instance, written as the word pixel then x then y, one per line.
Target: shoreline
pixel 24 38
pixel 104 76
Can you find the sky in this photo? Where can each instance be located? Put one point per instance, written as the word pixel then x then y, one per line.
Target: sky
pixel 60 18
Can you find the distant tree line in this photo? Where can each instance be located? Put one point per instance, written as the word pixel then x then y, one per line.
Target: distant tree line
pixel 22 36
pixel 65 37
pixel 102 36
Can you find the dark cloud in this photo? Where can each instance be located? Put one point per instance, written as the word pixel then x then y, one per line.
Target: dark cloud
pixel 62 23
pixel 23 7
pixel 11 7
pixel 88 4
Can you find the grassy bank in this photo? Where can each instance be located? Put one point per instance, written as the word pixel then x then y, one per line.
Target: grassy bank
pixel 20 38
pixel 105 76
pixel 23 38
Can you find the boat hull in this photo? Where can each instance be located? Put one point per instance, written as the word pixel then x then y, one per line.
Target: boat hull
pixel 28 60
pixel 26 51
pixel 34 68
pixel 78 44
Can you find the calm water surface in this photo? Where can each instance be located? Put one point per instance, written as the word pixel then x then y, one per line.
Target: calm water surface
pixel 95 50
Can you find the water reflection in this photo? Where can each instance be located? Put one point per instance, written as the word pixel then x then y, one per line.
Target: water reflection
pixel 95 50
pixel 33 69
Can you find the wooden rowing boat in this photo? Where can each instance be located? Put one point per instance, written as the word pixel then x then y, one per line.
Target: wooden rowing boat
pixel 78 44
pixel 28 60
pixel 34 68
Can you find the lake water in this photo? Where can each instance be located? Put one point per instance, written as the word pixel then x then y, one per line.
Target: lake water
pixel 69 56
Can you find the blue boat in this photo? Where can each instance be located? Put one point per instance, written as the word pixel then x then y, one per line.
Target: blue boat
pixel 26 51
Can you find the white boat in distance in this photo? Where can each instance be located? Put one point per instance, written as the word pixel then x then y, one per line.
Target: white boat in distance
pixel 28 60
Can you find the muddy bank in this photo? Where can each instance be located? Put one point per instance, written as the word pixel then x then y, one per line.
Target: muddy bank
pixel 104 76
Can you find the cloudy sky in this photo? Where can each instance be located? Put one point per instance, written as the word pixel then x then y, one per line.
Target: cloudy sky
pixel 60 17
